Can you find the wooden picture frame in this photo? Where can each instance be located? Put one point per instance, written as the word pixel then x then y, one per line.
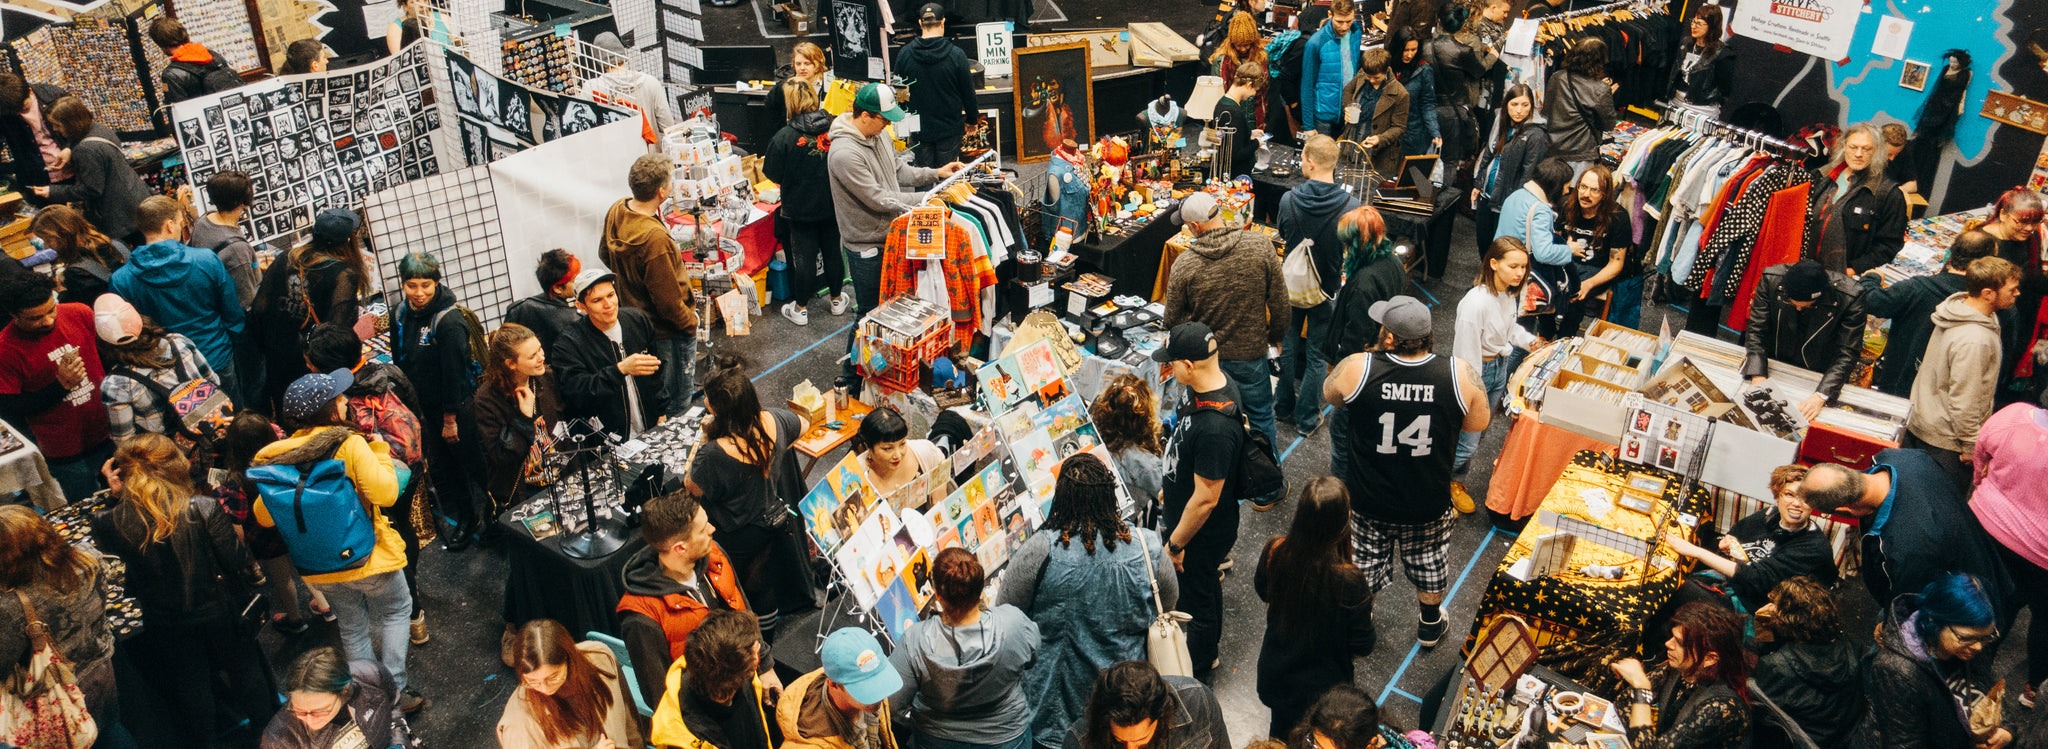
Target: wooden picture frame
pixel 2016 111
pixel 1044 83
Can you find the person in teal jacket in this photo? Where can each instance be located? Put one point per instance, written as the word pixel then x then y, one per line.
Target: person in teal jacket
pixel 1527 214
pixel 1327 63
pixel 183 288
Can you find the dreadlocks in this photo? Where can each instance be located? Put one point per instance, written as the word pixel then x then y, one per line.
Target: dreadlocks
pixel 1084 504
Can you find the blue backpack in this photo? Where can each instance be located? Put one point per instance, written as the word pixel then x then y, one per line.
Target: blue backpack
pixel 315 508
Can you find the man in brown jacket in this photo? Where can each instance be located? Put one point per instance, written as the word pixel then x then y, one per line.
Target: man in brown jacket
pixel 1229 280
pixel 1382 112
pixel 637 247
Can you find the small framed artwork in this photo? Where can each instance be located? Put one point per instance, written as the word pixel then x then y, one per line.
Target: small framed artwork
pixel 1913 75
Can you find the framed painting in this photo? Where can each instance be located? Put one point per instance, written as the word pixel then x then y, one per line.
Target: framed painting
pixel 1055 98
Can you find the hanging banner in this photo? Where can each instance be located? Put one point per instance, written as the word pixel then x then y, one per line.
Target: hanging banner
pixel 1822 28
pixel 498 117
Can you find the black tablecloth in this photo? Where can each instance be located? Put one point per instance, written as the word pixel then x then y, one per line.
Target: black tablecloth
pixel 543 583
pixel 1132 260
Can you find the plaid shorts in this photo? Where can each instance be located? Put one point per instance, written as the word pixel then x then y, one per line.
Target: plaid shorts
pixel 1425 550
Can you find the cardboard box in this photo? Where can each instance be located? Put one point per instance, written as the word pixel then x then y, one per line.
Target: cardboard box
pixel 792 16
pixel 1155 45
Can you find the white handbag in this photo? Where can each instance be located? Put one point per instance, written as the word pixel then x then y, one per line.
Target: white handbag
pixel 1166 641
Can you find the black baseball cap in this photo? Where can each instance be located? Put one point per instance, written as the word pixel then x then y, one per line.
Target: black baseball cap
pixel 1805 281
pixel 931 12
pixel 1189 341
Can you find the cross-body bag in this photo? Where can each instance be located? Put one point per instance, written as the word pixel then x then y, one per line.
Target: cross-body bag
pixel 41 706
pixel 1166 641
pixel 1549 286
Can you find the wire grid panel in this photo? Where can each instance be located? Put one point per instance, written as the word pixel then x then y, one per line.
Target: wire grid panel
pixel 471 21
pixel 454 216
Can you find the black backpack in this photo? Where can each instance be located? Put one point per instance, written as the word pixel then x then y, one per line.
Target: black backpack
pixel 1257 473
pixel 195 80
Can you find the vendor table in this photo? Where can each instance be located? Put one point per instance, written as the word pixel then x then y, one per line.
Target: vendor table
pixel 821 440
pixel 1133 260
pixel 1530 461
pixel 23 469
pixel 541 582
pixel 1581 623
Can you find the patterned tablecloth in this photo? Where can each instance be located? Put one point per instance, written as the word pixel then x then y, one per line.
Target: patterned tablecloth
pixel 1583 622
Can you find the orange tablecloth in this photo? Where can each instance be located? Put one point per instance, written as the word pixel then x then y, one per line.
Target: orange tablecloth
pixel 1530 461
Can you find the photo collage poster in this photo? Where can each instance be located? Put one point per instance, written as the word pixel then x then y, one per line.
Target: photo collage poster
pixel 498 117
pixel 313 141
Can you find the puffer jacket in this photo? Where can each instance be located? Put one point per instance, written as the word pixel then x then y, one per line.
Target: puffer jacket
pixel 178 580
pixel 1826 338
pixel 1819 686
pixel 1322 76
pixel 796 161
pixel 1578 111
pixel 1910 704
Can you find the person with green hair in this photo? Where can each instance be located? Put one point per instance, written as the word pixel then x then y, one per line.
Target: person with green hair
pixel 1371 274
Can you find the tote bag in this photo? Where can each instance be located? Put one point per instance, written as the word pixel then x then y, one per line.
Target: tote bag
pixel 41 706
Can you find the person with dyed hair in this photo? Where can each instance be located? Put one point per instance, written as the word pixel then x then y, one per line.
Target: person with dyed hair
pixel 1372 275
pixel 1698 698
pixel 1925 674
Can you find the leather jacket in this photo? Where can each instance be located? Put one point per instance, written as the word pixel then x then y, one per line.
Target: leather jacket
pixel 201 574
pixel 1460 73
pixel 1578 111
pixel 1826 338
pixel 1707 84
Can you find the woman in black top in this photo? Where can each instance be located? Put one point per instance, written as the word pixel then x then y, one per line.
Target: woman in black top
pixel 1518 143
pixel 1697 698
pixel 1705 69
pixel 746 476
pixel 517 408
pixel 321 281
pixel 1318 605
pixel 1607 261
pixel 104 185
pixel 808 68
pixel 89 258
pixel 1807 668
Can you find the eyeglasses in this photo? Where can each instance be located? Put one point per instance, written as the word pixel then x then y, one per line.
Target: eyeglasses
pixel 1860 149
pixel 319 712
pixel 1963 639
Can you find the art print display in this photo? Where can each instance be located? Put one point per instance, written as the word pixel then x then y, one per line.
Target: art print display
pixel 313 141
pixel 499 117
pixel 1055 99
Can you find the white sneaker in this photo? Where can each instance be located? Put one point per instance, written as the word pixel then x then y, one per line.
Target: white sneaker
pixel 796 314
pixel 840 303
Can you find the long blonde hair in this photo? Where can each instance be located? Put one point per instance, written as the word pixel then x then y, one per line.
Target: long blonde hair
pixel 156 478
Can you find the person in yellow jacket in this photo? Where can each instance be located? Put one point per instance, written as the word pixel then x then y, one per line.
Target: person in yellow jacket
pixel 371 602
pixel 719 702
pixel 844 704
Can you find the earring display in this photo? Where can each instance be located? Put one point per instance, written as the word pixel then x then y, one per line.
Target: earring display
pixel 223 27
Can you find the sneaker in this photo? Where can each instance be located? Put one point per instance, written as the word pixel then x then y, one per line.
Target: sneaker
pixel 2027 698
pixel 841 303
pixel 1462 499
pixel 796 314
pixel 419 628
pixel 1427 633
pixel 1268 502
pixel 410 701
pixel 289 626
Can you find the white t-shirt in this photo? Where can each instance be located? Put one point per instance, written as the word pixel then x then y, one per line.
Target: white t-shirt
pixel 634 426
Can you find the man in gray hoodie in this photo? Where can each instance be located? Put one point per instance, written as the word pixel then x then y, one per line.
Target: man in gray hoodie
pixel 1952 395
pixel 1308 223
pixel 870 188
pixel 1229 279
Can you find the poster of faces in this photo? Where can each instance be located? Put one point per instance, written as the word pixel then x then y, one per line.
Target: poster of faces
pixel 313 141
pixel 500 117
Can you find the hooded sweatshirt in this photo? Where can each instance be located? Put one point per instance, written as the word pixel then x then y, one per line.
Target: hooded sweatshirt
pixel 1952 395
pixel 810 721
pixel 868 183
pixel 638 248
pixel 657 613
pixel 1310 211
pixel 632 89
pixel 796 161
pixel 188 291
pixel 1229 279
pixel 434 355
pixel 965 684
pixel 941 88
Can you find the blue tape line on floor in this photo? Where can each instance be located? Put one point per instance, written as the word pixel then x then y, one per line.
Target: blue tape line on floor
pixel 1449 595
pixel 1297 440
pixel 1407 695
pixel 805 350
pixel 1425 292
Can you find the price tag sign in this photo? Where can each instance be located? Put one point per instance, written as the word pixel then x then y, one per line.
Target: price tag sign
pixel 927 234
pixel 992 46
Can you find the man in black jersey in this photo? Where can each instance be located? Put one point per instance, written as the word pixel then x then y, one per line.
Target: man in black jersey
pixel 1201 506
pixel 1405 407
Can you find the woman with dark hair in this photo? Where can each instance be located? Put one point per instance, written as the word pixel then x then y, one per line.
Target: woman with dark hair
pixel 1866 224
pixel 517 408
pixel 1699 695
pixel 304 56
pixel 1578 103
pixel 2015 221
pixel 1344 718
pixel 321 281
pixel 1134 707
pixel 1511 154
pixel 1318 605
pixel 1806 667
pixel 134 348
pixel 891 458
pixel 192 577
pixel 67 587
pixel 1126 416
pixel 334 703
pixel 1925 677
pixel 88 258
pixel 570 694
pixel 1706 69
pixel 746 477
pixel 104 185
pixel 249 433
pixel 1094 582
pixel 961 668
pixel 1405 44
pixel 1605 259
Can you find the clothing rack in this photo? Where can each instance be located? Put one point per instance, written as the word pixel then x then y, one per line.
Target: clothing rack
pixel 959 175
pixel 1638 5
pixel 1693 119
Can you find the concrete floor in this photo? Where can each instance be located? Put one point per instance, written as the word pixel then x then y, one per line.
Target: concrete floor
pixel 460 672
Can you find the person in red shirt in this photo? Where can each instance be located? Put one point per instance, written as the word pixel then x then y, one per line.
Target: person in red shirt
pixel 50 380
